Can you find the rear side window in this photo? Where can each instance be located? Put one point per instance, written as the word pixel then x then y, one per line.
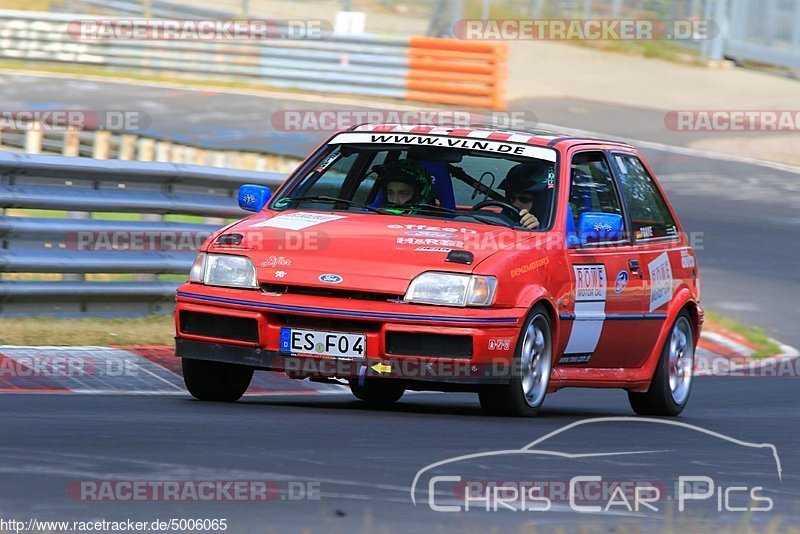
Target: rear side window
pixel 650 217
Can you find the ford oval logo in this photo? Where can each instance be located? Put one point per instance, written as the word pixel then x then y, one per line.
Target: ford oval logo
pixel 621 282
pixel 330 278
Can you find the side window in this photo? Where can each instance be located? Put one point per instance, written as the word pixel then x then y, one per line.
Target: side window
pixel 650 217
pixel 595 210
pixel 593 186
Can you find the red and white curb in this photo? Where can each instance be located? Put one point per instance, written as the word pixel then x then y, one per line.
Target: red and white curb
pixel 121 371
pixel 154 370
pixel 785 364
pixel 721 352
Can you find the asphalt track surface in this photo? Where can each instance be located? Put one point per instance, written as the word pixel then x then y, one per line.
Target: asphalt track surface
pixel 365 460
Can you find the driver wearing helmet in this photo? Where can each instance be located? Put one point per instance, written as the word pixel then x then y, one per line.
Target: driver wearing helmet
pixel 523 186
pixel 405 184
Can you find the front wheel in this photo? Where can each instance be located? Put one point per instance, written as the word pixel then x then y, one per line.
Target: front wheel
pixel 672 381
pixel 216 381
pixel 530 372
pixel 381 392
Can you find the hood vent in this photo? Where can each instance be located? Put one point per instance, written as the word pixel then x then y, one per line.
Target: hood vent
pixel 460 256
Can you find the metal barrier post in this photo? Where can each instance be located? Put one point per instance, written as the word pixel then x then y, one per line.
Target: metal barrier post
pixel 33 139
pixel 720 17
pixel 127 147
pixel 72 143
pixel 146 150
pixel 102 144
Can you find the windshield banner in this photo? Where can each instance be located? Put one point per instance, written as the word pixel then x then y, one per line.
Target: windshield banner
pixel 497 147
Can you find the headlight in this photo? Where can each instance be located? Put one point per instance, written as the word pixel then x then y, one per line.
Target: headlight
pixel 445 289
pixel 223 270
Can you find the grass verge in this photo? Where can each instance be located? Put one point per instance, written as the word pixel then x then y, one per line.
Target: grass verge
pixel 756 335
pixel 157 330
pixel 664 50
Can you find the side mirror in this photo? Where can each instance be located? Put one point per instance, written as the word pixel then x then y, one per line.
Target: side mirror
pixel 254 197
pixel 595 226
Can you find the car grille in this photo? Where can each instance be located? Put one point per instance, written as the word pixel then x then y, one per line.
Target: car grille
pixel 435 345
pixel 218 326
pixel 330 292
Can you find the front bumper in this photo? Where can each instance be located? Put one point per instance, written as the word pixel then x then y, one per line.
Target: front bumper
pixel 442 371
pixel 493 334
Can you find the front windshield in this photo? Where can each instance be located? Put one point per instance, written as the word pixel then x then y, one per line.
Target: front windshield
pixel 441 182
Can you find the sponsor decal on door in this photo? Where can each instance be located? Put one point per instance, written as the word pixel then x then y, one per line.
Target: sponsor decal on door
pixel 660 281
pixel 591 284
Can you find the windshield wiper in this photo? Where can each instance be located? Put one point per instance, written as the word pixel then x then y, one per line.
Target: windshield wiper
pixel 442 209
pixel 323 198
pixel 417 208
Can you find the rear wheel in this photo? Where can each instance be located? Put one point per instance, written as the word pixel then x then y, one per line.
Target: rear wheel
pixel 377 391
pixel 530 372
pixel 216 381
pixel 672 382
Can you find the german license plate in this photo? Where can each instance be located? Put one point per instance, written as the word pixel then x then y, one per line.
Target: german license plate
pixel 332 344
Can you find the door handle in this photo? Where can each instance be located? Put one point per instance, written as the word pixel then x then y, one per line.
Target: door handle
pixel 633 265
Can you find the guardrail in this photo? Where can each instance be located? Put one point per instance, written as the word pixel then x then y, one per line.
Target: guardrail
pixel 68 249
pixel 106 144
pixel 442 71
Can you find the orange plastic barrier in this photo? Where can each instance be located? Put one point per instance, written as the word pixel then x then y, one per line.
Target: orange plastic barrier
pixel 453 71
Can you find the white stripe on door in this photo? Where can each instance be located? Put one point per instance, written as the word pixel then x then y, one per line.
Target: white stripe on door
pixel 591 284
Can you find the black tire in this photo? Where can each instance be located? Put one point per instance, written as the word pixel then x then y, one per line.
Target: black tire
pixel 660 398
pixel 216 381
pixel 510 399
pixel 376 391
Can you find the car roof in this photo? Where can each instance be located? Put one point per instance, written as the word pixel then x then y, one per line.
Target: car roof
pixel 491 133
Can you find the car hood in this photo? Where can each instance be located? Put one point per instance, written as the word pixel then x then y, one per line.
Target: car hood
pixel 361 251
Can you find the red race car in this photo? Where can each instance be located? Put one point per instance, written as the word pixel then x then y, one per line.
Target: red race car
pixel 398 257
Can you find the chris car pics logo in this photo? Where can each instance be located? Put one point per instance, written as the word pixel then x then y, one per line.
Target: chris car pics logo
pixel 447 486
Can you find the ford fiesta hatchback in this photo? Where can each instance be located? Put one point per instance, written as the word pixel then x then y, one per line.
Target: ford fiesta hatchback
pixel 397 257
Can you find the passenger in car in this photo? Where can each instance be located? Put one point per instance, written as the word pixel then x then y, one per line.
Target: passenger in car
pixel 405 184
